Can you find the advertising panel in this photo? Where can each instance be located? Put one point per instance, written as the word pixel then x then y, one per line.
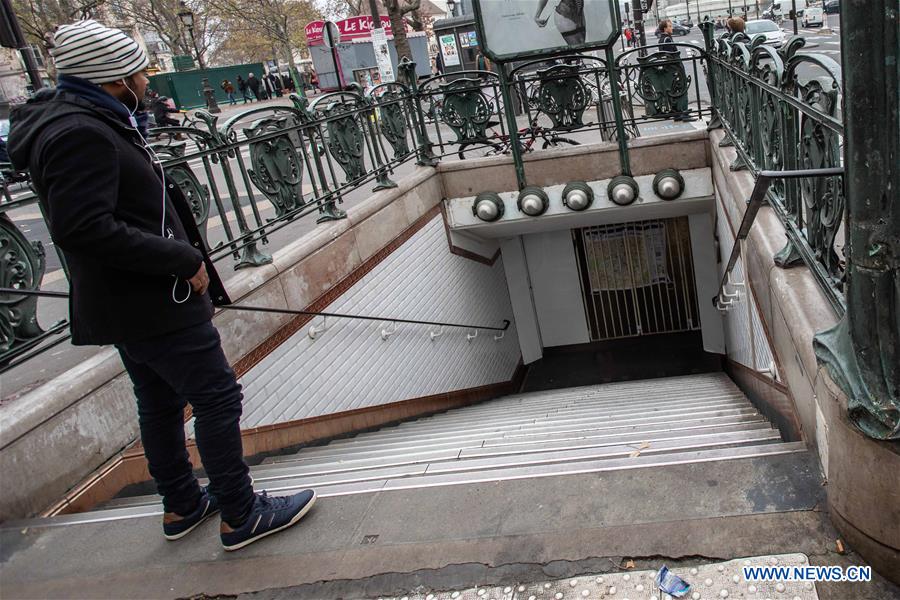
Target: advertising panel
pixel 449 50
pixel 382 55
pixel 521 28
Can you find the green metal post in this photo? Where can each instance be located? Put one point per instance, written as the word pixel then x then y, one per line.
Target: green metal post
pixel 624 160
pixel 862 352
pixel 509 110
pixel 424 147
pixel 709 34
pixel 173 91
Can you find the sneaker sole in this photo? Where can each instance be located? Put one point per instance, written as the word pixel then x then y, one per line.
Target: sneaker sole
pixel 290 523
pixel 178 536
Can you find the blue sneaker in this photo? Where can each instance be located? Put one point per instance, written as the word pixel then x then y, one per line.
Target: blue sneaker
pixel 269 515
pixel 178 529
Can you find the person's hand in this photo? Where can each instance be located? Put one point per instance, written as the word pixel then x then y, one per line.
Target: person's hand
pixel 200 281
pixel 541 22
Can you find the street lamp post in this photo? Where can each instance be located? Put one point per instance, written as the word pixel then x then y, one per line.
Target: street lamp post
pixel 12 38
pixel 186 16
pixel 451 5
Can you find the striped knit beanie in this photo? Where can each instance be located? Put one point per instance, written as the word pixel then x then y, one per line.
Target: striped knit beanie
pixel 99 54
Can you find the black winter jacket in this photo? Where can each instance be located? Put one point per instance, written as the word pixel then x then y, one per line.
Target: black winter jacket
pixel 103 200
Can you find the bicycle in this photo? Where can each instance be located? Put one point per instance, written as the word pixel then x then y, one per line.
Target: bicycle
pixel 157 133
pixel 499 143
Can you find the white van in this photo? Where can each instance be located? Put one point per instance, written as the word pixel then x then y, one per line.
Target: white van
pixel 813 15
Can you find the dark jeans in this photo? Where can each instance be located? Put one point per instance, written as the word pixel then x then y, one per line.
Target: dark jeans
pixel 169 372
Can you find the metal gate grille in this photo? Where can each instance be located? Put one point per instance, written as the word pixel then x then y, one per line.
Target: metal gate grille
pixel 637 278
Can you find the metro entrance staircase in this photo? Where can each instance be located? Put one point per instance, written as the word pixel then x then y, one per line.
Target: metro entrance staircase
pixel 671 467
pixel 628 425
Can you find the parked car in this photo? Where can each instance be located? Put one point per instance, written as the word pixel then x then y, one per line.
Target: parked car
pixel 833 7
pixel 813 16
pixel 773 33
pixel 679 29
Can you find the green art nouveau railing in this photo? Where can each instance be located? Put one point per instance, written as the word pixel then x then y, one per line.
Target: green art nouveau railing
pixel 269 174
pixel 781 112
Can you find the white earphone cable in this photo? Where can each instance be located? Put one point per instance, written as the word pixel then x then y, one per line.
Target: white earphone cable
pixel 154 159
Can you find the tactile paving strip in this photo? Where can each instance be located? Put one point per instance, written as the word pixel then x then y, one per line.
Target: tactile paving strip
pixel 713 581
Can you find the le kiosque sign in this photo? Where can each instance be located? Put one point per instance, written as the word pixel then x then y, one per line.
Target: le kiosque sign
pixel 351 28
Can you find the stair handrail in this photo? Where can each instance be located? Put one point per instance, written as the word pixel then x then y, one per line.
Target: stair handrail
pixel 764 179
pixel 60 326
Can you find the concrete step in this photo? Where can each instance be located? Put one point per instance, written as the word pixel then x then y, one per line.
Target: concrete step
pixel 584 426
pixel 512 417
pixel 476 448
pixel 419 476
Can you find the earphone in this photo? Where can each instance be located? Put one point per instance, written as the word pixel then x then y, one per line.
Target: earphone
pixel 154 158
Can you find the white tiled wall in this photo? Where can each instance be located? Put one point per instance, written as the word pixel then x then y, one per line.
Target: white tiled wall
pixel 350 366
pixel 745 337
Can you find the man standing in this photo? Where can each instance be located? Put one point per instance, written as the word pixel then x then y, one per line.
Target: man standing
pixel 667 44
pixel 139 278
pixel 253 84
pixel 242 88
pixel 482 62
pixel 275 84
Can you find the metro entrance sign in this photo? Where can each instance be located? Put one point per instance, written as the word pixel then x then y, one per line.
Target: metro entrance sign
pixel 352 28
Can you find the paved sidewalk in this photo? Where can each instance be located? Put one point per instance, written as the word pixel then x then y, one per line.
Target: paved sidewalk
pixel 712 580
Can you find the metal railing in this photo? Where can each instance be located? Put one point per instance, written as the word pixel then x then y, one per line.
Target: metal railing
pixel 265 171
pixel 21 353
pixel 781 112
pixel 723 298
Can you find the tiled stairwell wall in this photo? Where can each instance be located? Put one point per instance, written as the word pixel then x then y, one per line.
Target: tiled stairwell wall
pixel 745 338
pixel 350 366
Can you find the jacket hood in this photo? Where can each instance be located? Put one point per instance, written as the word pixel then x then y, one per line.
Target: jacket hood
pixel 26 122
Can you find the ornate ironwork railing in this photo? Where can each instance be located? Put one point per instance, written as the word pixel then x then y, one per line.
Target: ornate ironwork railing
pixel 254 177
pixel 764 179
pixel 781 111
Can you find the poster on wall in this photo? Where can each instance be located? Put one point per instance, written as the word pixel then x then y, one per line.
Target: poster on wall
pixel 645 252
pixel 468 39
pixel 449 50
pixel 518 28
pixel 382 55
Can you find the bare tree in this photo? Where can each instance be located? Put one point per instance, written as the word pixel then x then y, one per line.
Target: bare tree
pixel 341 9
pixel 161 17
pixel 40 18
pixel 241 45
pixel 280 21
pixel 396 10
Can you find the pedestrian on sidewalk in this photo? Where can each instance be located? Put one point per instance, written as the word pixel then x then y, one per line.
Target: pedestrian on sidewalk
pixel 140 278
pixel 735 25
pixel 667 44
pixel 242 88
pixel 253 84
pixel 161 110
pixel 482 62
pixel 228 87
pixel 273 85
